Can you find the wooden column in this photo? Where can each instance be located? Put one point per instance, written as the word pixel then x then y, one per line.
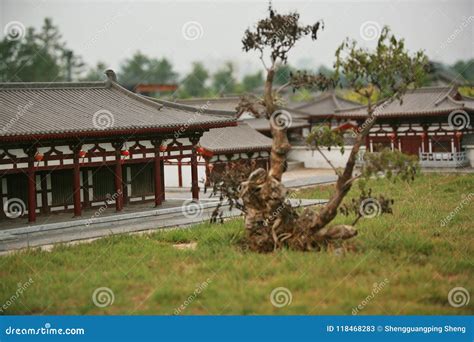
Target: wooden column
pixel 208 172
pixel 85 182
pixel 44 193
pixel 31 152
pixel 162 165
pixel 194 171
pixel 159 190
pixel 180 173
pixel 76 183
pixel 118 176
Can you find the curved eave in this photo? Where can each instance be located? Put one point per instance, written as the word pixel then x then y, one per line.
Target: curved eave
pixel 403 115
pixel 239 150
pixel 111 132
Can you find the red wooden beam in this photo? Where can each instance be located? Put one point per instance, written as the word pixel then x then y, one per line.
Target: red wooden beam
pixel 194 170
pixel 118 177
pixel 76 181
pixel 157 173
pixel 31 185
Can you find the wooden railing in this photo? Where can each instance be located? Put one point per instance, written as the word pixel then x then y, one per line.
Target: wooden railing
pixel 432 159
pixel 443 156
pixel 443 159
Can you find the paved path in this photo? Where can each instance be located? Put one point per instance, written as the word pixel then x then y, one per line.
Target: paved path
pixel 63 228
pixel 46 235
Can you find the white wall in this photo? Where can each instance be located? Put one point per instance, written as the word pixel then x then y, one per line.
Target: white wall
pixel 313 159
pixel 470 153
pixel 171 175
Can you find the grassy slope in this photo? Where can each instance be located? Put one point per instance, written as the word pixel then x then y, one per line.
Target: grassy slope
pixel 421 260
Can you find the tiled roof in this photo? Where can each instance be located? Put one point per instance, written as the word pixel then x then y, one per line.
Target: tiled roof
pixel 228 105
pixel 418 102
pixel 263 124
pixel 326 104
pixel 204 108
pixel 237 138
pixel 38 109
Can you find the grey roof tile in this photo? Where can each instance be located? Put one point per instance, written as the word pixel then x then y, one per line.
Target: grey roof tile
pixel 238 138
pixel 49 108
pixel 421 101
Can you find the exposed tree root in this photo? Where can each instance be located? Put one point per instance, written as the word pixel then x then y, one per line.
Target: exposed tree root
pixel 271 223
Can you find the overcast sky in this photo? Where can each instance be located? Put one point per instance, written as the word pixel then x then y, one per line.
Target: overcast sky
pixel 210 31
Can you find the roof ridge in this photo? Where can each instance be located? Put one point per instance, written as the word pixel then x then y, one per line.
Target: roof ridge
pixel 319 98
pixel 190 108
pixel 52 85
pixel 207 99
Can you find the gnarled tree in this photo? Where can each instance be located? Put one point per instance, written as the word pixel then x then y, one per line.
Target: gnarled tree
pixel 270 220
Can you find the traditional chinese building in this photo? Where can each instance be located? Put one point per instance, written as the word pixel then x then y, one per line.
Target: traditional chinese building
pixel 221 147
pixel 71 146
pixel 432 123
pixel 298 120
pixel 322 109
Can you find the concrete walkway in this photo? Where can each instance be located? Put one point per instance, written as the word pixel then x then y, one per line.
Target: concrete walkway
pixel 61 227
pixel 50 234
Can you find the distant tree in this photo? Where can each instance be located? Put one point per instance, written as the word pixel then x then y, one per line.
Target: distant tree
pixel 194 84
pixel 38 57
pixel 283 74
pixel 465 69
pixel 161 71
pixel 143 69
pixel 252 81
pixel 96 73
pixel 223 81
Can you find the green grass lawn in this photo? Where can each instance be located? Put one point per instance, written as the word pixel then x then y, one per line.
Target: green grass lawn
pixel 418 260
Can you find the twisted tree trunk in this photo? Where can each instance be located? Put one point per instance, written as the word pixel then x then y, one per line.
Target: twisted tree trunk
pixel 270 221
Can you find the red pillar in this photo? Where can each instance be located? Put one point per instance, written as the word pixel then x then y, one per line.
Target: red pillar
pixel 180 173
pixel 31 185
pixel 162 165
pixel 194 175
pixel 194 170
pixel 44 194
pixel 157 174
pixel 118 177
pixel 76 182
